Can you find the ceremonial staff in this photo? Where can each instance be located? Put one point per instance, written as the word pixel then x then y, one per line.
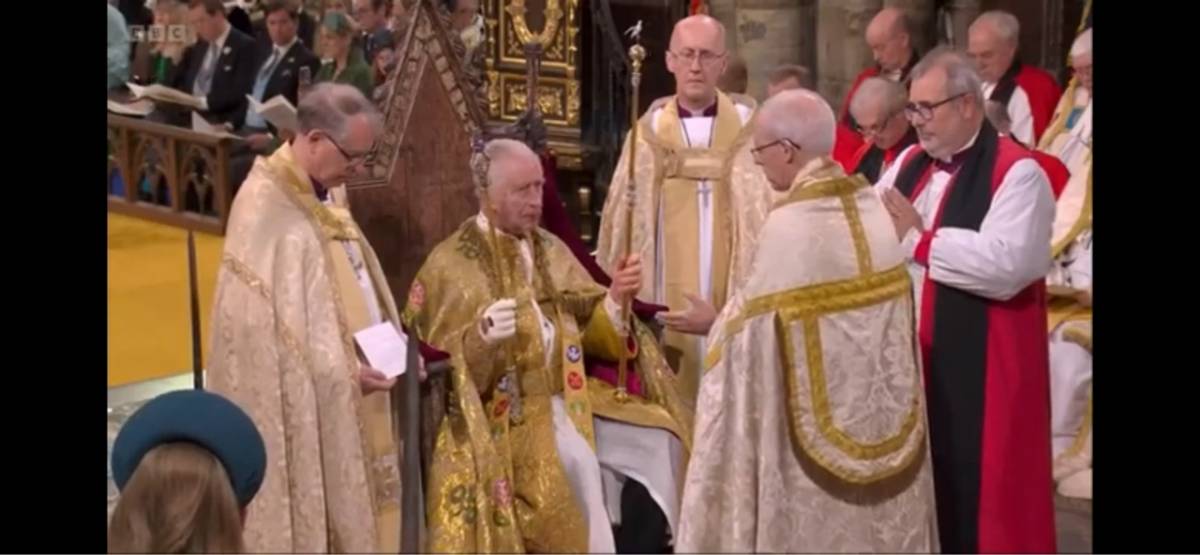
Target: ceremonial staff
pixel 636 55
pixel 194 305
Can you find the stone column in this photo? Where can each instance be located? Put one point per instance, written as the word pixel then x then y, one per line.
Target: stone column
pixel 725 11
pixel 842 50
pixel 962 13
pixel 772 33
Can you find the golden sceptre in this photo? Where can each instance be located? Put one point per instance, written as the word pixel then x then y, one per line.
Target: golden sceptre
pixel 636 55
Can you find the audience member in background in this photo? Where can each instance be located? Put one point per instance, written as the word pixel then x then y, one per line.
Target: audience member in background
pixel 118 49
pixel 1069 138
pixel 468 22
pixel 297 279
pixel 736 78
pixel 342 62
pixel 278 71
pixel 187 463
pixel 973 211
pixel 1029 93
pixel 306 26
pixel 889 36
pixel 278 74
pixel 385 62
pixel 372 19
pixel 878 108
pixel 787 77
pixel 220 67
pixel 165 54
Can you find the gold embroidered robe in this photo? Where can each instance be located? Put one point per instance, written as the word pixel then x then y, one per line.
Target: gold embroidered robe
pixel 810 425
pixel 1068 319
pixel 667 221
pixel 496 483
pixel 287 303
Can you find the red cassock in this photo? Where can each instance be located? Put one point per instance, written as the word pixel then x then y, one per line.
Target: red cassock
pixel 1041 88
pixel 1055 170
pixel 986 368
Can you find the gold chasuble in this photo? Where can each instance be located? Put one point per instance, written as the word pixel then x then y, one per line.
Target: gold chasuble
pixel 497 484
pixel 287 305
pixel 810 425
pixel 698 211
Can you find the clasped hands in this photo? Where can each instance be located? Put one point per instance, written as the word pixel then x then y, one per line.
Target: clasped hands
pixel 499 320
pixel 904 216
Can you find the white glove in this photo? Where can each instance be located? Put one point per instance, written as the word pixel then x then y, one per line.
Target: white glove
pixel 499 321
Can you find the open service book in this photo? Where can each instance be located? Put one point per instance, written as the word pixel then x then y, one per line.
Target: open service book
pixel 277 111
pixel 201 125
pixel 166 94
pixel 137 108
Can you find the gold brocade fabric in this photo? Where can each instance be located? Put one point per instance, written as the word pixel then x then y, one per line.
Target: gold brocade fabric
pixel 1073 208
pixel 667 176
pixel 287 303
pixel 496 483
pixel 810 423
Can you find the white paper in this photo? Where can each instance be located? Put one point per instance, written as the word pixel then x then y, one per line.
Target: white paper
pixel 278 111
pixel 201 125
pixel 166 94
pixel 137 108
pixel 385 348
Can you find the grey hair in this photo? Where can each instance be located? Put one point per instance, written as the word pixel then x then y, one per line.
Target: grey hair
pixel 802 117
pixel 1006 25
pixel 961 75
pixel 997 114
pixel 1082 45
pixel 878 91
pixel 495 153
pixel 329 107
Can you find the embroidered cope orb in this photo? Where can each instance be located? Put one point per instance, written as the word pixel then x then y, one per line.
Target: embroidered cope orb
pixel 575 380
pixel 573 353
pixel 416 295
pixel 502 492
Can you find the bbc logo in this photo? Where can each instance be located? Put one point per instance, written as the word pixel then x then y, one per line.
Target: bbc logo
pixel 159 33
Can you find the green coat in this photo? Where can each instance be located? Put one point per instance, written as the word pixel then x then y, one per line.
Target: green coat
pixel 357 73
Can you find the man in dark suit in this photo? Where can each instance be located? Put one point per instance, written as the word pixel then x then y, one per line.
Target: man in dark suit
pixel 278 68
pixel 372 17
pixel 220 67
pixel 306 26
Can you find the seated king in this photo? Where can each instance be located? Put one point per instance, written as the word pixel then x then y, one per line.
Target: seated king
pixel 536 453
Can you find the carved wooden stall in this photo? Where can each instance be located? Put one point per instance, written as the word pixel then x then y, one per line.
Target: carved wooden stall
pixel 168 174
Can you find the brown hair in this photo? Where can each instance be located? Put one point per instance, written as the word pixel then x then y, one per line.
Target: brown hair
pixel 272 6
pixel 179 500
pixel 736 78
pixel 800 73
pixel 211 7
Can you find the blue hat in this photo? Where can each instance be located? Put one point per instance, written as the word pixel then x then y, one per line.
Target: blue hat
pixel 206 419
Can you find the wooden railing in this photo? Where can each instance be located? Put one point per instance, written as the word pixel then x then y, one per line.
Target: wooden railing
pixel 169 174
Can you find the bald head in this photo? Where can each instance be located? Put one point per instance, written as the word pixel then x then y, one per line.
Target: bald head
pixel 890 40
pixel 699 26
pixel 802 124
pixel 1081 59
pixel 992 42
pixel 697 58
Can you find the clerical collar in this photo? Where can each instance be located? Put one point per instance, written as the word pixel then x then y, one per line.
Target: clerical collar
pixel 319 189
pixel 710 112
pixel 951 164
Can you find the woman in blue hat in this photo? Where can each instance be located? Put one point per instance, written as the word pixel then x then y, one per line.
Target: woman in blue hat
pixel 187 463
